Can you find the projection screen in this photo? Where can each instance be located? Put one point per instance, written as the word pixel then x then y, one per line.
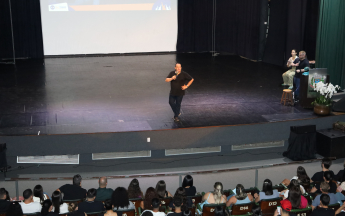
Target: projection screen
pixel 108 26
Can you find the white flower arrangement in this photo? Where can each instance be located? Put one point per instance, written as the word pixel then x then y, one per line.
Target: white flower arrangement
pixel 326 90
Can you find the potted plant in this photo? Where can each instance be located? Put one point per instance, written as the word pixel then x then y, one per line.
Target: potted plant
pixel 323 103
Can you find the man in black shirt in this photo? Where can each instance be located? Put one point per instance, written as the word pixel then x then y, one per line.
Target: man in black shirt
pixel 341 210
pixel 323 210
pixel 90 205
pixel 73 191
pixel 303 63
pixel 178 79
pixel 4 204
pixel 325 165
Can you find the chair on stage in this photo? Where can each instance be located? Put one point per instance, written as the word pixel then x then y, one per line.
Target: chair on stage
pixel 287 97
pixel 241 209
pixel 269 206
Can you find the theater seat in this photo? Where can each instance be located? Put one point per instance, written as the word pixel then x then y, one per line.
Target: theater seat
pixel 136 202
pixel 302 212
pixel 241 209
pixel 71 201
pixel 334 206
pixel 252 190
pixel 196 199
pixel 269 206
pixel 3 214
pixel 208 209
pixel 130 212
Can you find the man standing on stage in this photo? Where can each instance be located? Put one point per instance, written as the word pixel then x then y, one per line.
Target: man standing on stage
pixel 303 62
pixel 177 79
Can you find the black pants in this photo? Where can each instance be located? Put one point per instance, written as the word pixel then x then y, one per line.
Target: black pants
pixel 175 103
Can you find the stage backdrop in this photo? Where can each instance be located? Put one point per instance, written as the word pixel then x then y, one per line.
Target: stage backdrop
pixel 108 26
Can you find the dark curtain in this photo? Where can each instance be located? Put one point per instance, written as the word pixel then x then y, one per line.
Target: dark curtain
pixel 27 29
pixel 237 26
pixel 293 25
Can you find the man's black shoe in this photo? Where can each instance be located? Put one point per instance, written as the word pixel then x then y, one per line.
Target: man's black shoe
pixel 176 119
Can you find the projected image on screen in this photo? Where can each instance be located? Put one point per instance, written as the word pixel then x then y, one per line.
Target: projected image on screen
pixel 108 5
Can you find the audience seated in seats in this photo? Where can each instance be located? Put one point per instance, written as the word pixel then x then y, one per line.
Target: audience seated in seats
pixel 324 190
pixel 296 199
pixel 28 205
pixel 219 211
pixel 341 210
pixel 120 200
pixel 215 197
pixel 47 208
pixel 293 183
pixel 15 209
pixel 177 203
pixel 256 210
pixel 103 192
pixel 7 195
pixel 241 197
pixel 58 205
pixel 323 209
pixel 285 209
pixel 155 207
pixel 90 205
pixel 108 208
pixel 327 176
pixel 187 184
pixel 186 202
pixel 147 213
pixel 161 189
pixel 325 165
pixel 73 191
pixel 302 178
pixel 149 195
pixel 267 192
pixel 4 204
pixel 73 210
pixel 134 190
pixel 340 177
pixel 39 195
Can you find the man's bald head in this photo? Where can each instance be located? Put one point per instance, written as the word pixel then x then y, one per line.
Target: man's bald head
pixel 102 182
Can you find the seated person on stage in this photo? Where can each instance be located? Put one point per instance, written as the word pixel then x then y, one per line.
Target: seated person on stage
pixel 286 207
pixel 188 185
pixel 28 205
pixel 241 196
pixel 288 75
pixel 155 206
pixel 323 209
pixel 324 187
pixel 302 63
pixel 340 177
pixel 267 192
pixel 215 197
pixel 325 165
pixel 297 200
pixel 4 204
pixel 341 210
pixel 90 205
pixel 103 193
pixel 177 202
pixel 327 176
pixel 73 191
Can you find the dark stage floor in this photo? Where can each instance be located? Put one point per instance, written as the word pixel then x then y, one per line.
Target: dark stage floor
pixel 128 93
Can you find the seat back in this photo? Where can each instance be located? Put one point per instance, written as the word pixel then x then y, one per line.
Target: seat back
pixel 71 201
pixel 334 206
pixel 279 188
pixel 241 209
pixel 136 202
pixel 192 210
pixel 32 214
pixel 196 199
pixel 269 206
pixel 165 201
pixel 252 190
pixel 129 212
pixel 3 214
pixel 302 212
pixel 208 209
pixel 93 213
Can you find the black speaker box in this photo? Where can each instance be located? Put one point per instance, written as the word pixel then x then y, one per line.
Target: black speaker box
pixel 303 129
pixel 339 106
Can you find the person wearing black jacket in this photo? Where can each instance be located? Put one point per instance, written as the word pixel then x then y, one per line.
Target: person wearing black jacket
pixel 303 63
pixel 4 204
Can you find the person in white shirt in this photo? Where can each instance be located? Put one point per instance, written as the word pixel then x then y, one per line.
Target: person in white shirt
pixel 39 196
pixel 58 205
pixel 155 205
pixel 28 205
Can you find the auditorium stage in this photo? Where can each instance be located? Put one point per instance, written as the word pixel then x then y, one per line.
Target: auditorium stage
pixel 128 93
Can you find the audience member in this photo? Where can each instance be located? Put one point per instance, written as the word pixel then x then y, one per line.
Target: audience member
pixel 241 197
pixel 103 192
pixel 155 203
pixel 108 209
pixel 187 184
pixel 296 199
pixel 134 190
pixel 215 197
pixel 161 189
pixel 339 196
pixel 341 211
pixel 47 208
pixel 256 210
pixel 186 201
pixel 147 213
pixel 29 206
pixel 58 205
pixel 324 186
pixel 120 200
pixel 39 196
pixel 325 165
pixel 285 209
pixel 177 203
pixel 323 209
pixel 327 177
pixel 293 183
pixel 73 210
pixel 7 196
pixel 340 177
pixel 219 211
pixel 90 205
pixel 187 213
pixel 149 195
pixel 73 191
pixel 267 192
pixel 15 209
pixel 4 204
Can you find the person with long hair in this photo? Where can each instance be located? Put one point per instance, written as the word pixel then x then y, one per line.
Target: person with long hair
pixel 328 177
pixel 297 200
pixel 288 75
pixel 47 209
pixel 161 189
pixel 216 196
pixel 58 205
pixel 108 209
pixel 15 209
pixel 302 178
pixel 39 196
pixel 134 190
pixel 73 210
pixel 120 200
pixel 187 184
pixel 241 197
pixel 267 191
pixel 326 163
pixel 149 195
pixel 293 183
pixel 186 201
